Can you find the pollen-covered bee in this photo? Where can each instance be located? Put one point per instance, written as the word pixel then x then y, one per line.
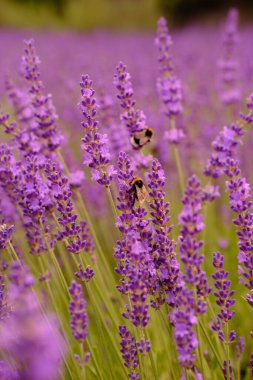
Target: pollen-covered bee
pixel 138 190
pixel 142 137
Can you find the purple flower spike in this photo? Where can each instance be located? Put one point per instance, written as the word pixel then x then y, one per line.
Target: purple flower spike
pixel 183 319
pixel 192 224
pixel 76 235
pixel 135 120
pixel 224 299
pixel 168 85
pixel 44 123
pixel 167 278
pixel 227 376
pixel 94 144
pixel 224 147
pixel 78 314
pixel 129 351
pixel 228 64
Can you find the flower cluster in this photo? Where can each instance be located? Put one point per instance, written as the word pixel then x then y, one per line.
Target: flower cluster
pixel 76 235
pixel 132 252
pixel 241 204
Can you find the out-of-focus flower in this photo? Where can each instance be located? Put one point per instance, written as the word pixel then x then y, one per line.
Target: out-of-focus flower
pixel 240 346
pixel 229 88
pixel 168 85
pixel 26 332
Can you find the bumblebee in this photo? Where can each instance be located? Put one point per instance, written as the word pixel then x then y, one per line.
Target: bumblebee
pixel 138 191
pixel 142 137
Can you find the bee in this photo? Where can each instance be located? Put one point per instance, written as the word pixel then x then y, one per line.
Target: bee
pixel 142 137
pixel 138 190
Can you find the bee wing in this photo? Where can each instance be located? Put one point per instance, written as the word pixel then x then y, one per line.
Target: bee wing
pixel 142 194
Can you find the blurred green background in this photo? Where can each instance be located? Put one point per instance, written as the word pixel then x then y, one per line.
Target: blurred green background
pixel 124 14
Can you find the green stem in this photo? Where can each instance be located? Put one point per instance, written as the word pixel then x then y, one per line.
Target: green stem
pixel 151 358
pixel 200 350
pixel 227 352
pixel 112 203
pixel 211 345
pixel 13 252
pixel 179 169
pixel 97 306
pixel 87 218
pixel 177 159
pixel 55 306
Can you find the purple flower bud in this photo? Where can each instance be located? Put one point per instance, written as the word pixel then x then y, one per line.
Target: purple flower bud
pixel 239 348
pixel 84 274
pixel 5 234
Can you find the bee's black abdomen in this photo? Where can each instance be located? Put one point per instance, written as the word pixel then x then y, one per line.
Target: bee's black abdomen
pixel 139 184
pixel 149 133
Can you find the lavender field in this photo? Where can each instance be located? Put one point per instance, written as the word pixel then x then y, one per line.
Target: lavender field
pixel 126 236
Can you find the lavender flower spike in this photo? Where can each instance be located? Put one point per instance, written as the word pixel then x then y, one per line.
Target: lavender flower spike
pixel 223 300
pixel 43 109
pixel 168 85
pixel 228 64
pixel 129 352
pixel 94 144
pixel 135 120
pixel 192 224
pixel 77 309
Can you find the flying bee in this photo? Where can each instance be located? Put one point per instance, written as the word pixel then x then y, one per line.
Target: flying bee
pixel 138 190
pixel 142 137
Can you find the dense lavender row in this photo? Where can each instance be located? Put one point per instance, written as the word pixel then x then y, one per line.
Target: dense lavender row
pixel 100 275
